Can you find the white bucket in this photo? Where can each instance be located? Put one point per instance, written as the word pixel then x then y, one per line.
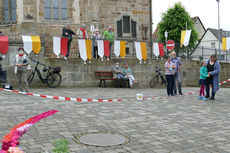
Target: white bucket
pixel 140 96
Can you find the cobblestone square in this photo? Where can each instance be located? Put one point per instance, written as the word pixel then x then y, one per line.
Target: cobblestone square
pixel 179 124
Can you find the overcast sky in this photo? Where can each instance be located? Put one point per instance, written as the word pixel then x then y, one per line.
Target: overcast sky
pixel 207 10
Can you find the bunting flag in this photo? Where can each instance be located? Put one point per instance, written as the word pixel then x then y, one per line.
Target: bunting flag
pixel 100 44
pixel 158 49
pixel 226 43
pixel 106 49
pixel 64 46
pixel 11 139
pixel 120 48
pixel 60 46
pixel 185 37
pixel 141 51
pixel 31 43
pixel 85 49
pixel 4 45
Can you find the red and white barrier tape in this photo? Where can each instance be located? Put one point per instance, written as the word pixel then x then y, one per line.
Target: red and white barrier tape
pixel 63 98
pixel 166 97
pixel 224 82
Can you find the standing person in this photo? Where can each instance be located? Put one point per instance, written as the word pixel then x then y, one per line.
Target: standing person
pixel 118 74
pixel 21 63
pixel 127 72
pixel 82 33
pixel 109 35
pixel 67 33
pixel 203 76
pixel 96 36
pixel 177 62
pixel 169 73
pixel 214 68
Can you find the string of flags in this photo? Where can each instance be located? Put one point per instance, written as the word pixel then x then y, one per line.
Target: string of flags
pixel 226 43
pixel 103 49
pixel 120 48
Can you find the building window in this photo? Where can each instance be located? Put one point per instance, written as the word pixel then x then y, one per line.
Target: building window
pixel 9 10
pixel 221 57
pixel 126 27
pixel 213 45
pixel 55 9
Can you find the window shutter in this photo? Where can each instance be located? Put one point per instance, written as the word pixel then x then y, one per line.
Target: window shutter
pixel 13 10
pixel 126 24
pixel 119 28
pixel 47 9
pixel 56 9
pixel 134 29
pixel 64 9
pixel 6 10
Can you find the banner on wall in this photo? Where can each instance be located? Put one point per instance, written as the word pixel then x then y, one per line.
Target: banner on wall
pixel 85 49
pixel 31 43
pixel 158 49
pixel 4 45
pixel 141 51
pixel 60 46
pixel 120 48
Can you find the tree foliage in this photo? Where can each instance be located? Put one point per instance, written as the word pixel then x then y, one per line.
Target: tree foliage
pixel 174 21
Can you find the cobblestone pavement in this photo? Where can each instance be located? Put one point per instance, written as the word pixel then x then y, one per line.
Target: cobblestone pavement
pixel 178 124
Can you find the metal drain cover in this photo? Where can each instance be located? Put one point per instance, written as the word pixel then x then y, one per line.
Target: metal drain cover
pixel 102 139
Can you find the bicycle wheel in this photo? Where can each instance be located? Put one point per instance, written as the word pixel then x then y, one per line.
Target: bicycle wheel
pixel 30 78
pixel 53 80
pixel 154 81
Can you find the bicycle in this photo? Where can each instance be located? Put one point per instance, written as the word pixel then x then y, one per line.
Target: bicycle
pixel 155 80
pixel 52 79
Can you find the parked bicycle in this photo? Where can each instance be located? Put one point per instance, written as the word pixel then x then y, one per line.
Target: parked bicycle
pixel 52 79
pixel 156 79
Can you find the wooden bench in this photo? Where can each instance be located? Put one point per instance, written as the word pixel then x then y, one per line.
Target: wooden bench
pixel 104 75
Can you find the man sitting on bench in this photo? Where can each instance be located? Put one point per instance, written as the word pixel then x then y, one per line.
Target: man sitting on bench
pixel 118 74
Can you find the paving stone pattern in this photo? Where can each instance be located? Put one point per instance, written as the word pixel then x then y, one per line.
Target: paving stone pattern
pixel 181 124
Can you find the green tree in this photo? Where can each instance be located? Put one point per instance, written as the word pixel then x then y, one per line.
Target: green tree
pixel 174 21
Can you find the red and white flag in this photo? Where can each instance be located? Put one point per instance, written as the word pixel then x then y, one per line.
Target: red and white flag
pixel 158 49
pixel 4 45
pixel 60 46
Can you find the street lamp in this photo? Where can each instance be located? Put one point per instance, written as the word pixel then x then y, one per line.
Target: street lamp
pixel 218 2
pixel 166 37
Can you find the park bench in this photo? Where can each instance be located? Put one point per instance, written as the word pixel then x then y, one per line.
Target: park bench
pixel 104 75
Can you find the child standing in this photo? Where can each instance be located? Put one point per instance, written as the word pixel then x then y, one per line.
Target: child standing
pixel 203 76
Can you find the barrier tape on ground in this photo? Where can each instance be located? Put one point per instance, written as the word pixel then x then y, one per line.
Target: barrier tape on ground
pixel 159 98
pixel 63 98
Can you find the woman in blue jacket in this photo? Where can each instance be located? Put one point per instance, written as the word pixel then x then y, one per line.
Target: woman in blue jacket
pixel 214 68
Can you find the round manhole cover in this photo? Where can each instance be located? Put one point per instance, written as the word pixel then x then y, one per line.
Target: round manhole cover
pixel 102 139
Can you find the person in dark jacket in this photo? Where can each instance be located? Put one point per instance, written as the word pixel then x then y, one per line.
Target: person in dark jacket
pixel 67 33
pixel 214 68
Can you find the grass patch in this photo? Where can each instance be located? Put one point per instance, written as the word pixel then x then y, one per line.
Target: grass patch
pixel 61 146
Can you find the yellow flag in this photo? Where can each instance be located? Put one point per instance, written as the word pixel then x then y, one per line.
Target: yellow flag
pixel 144 51
pixel 183 33
pixel 88 49
pixel 123 49
pixel 36 44
pixel 224 43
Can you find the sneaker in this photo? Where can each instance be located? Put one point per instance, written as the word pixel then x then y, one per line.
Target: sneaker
pixel 204 98
pixel 180 93
pixel 65 58
pixel 199 97
pixel 207 96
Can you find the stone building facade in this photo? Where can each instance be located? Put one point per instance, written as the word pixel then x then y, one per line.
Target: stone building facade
pixel 130 19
